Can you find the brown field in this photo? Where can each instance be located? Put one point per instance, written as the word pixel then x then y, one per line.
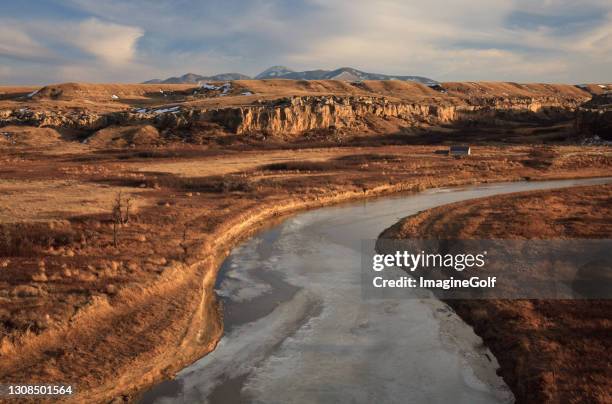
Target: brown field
pixel 115 318
pixel 77 308
pixel 98 97
pixel 549 350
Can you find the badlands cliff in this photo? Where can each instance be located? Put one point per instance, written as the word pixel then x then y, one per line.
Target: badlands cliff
pixel 294 107
pixel 594 118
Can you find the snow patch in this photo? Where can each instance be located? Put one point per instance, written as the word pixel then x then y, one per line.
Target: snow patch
pixel 114 97
pixel 165 110
pixel 207 86
pixel 225 88
pixel 596 141
pixel 157 111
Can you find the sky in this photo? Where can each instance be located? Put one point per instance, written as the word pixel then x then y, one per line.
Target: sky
pixel 45 41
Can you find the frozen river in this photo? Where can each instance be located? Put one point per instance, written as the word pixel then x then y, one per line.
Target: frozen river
pixel 298 329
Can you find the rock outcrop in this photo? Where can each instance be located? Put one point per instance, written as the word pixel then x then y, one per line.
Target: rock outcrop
pixel 299 114
pixel 594 118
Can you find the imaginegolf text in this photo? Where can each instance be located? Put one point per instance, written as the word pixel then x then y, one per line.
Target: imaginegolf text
pixel 446 284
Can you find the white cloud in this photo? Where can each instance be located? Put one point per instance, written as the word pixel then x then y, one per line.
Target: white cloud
pixel 16 43
pixel 36 39
pixel 112 43
pixel 40 51
pixel 463 40
pixel 553 40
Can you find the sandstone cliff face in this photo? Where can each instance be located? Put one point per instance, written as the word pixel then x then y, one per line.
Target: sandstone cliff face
pixel 24 116
pixel 594 118
pixel 299 114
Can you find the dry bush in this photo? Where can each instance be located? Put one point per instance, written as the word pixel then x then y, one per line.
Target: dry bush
pixel 224 185
pixel 540 158
pixel 302 166
pixel 368 158
pixel 339 163
pixel 120 214
pixel 211 184
pixel 27 240
pixel 140 153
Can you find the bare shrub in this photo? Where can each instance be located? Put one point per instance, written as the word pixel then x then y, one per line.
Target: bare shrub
pixel 128 205
pixel 184 244
pixel 29 239
pixel 301 166
pixel 540 158
pixel 218 184
pixel 368 158
pixel 120 214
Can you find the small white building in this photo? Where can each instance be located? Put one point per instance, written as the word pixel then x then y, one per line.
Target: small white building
pixel 459 151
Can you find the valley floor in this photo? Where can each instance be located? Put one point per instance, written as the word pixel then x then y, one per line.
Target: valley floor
pixel 115 318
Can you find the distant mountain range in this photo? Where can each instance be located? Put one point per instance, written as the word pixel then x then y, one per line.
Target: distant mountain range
pixel 192 78
pixel 282 72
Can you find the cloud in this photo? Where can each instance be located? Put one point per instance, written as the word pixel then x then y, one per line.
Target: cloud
pixel 40 39
pixel 112 43
pixel 520 40
pixel 43 50
pixel 16 44
pixel 467 40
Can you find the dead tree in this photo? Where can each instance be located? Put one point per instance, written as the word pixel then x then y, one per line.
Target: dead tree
pixel 115 233
pixel 184 244
pixel 117 217
pixel 128 203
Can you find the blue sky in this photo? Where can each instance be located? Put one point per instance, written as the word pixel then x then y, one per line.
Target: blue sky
pixel 132 41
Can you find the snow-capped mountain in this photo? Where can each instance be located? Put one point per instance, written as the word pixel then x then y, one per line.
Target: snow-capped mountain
pixel 192 78
pixel 282 72
pixel 274 72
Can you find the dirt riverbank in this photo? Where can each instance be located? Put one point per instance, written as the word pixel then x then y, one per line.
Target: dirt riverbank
pixel 548 350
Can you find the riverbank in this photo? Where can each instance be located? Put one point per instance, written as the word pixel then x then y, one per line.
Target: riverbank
pixel 162 313
pixel 549 351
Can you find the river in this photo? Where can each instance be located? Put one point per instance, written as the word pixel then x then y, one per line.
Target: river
pixel 298 330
